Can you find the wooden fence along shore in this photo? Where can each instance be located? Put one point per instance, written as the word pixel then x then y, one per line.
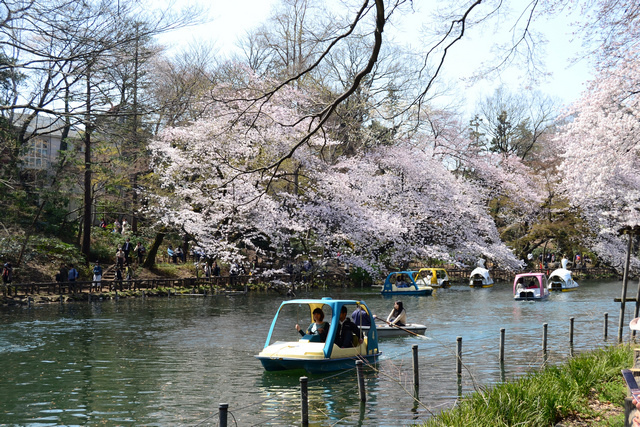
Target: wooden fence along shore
pixel 240 283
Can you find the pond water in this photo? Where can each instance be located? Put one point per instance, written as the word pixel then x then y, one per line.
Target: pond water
pixel 172 361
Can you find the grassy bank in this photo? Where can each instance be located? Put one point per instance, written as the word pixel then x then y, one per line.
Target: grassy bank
pixel 587 390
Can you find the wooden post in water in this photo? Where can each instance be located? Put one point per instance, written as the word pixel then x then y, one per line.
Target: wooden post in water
pixel 571 336
pixel 363 393
pixel 459 356
pixel 625 278
pixel 223 409
pixel 304 397
pixel 606 326
pixel 501 345
pixel 416 376
pixel 544 341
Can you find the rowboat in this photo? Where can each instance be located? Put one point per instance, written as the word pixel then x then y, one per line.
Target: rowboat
pixel 480 277
pixel 561 280
pixel 530 287
pixel 386 331
pixel 404 283
pixel 308 353
pixel 434 277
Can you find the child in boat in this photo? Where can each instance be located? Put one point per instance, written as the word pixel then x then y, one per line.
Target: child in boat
pixel 398 315
pixel 318 328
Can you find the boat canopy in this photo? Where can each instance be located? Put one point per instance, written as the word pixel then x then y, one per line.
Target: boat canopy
pixel 431 276
pixel 402 279
pixel 562 274
pixel 479 271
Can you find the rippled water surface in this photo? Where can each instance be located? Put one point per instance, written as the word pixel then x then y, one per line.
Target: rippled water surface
pixel 172 361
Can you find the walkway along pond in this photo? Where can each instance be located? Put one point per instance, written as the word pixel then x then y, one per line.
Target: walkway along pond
pixel 175 360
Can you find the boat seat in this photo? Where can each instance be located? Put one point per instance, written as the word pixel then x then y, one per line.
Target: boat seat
pixel 338 352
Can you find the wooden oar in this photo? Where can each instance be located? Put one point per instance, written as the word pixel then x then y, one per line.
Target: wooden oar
pixel 401 328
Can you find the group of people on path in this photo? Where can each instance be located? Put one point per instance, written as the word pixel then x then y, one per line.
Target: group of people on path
pixel 118 227
pixel 176 254
pixel 349 327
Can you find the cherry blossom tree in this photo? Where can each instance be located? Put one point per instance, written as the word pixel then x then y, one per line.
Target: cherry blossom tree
pixel 601 176
pixel 376 209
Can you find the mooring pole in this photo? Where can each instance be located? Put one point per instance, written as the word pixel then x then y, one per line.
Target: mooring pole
pixel 625 279
pixel 544 341
pixel 416 376
pixel 459 356
pixel 606 326
pixel 223 408
pixel 571 320
pixel 502 345
pixel 304 397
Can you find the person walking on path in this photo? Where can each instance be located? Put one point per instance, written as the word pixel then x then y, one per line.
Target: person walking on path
pixel 97 276
pixel 117 227
pixel 7 273
pixel 72 276
pixel 120 258
pixel 140 251
pixel 117 279
pixel 127 248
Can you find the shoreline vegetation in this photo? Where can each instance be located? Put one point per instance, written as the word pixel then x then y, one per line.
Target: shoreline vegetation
pixel 587 390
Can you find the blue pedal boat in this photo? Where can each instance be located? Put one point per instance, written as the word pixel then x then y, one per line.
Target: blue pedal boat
pixel 404 283
pixel 281 352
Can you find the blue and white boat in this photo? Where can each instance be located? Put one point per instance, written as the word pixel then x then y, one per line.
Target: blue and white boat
pixel 281 352
pixel 404 283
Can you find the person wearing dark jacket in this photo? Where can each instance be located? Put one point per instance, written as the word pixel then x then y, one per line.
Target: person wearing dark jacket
pixel 346 330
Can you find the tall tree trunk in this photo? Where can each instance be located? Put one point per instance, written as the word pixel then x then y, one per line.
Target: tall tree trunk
pixel 88 199
pixel 134 204
pixel 150 261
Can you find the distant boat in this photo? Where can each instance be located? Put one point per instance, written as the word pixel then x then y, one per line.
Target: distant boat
pixel 434 277
pixel 530 287
pixel 308 352
pixel 561 280
pixel 404 283
pixel 480 277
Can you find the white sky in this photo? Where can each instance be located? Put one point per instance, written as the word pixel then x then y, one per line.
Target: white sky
pixel 231 19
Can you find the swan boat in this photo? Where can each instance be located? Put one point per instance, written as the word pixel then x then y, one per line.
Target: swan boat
pixel 561 280
pixel 404 283
pixel 434 277
pixel 530 287
pixel 480 277
pixel 281 352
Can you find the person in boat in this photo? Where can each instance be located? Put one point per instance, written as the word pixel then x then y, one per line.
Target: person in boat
pixel 398 315
pixel 346 330
pixel 360 317
pixel 318 328
pixel 400 283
